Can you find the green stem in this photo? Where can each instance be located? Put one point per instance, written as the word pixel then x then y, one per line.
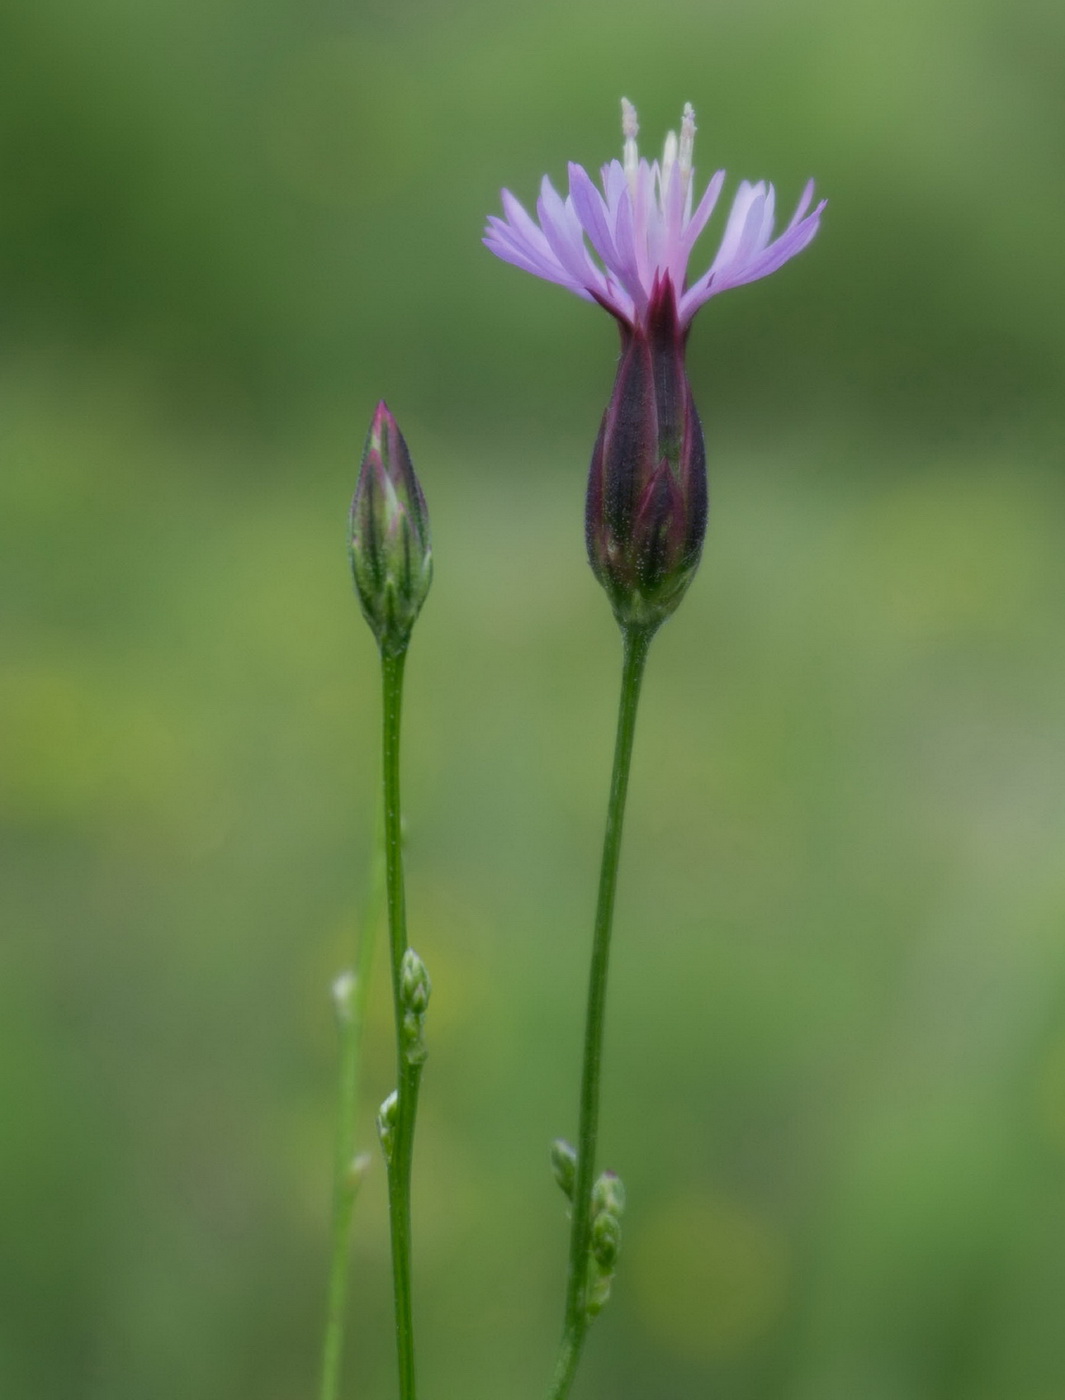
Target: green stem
pixel 637 643
pixel 407 1075
pixel 351 1014
pixel 345 1189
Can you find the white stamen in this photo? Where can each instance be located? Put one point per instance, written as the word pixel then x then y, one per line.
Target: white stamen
pixel 669 164
pixel 687 141
pixel 630 127
pixel 631 156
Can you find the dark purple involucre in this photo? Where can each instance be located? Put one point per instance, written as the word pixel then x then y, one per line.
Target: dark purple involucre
pixel 646 507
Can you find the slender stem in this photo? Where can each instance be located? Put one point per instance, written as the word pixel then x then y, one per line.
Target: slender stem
pixel 371 924
pixel 345 1189
pixel 351 1013
pixel 637 643
pixel 407 1075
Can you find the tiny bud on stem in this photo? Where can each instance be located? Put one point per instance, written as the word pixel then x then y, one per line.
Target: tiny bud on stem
pixel 564 1165
pixel 608 1203
pixel 415 988
pixel 387 1116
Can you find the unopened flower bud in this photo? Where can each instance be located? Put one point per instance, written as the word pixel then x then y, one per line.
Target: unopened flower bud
pixel 598 1294
pixel 387 1116
pixel 647 495
pixel 415 989
pixel 606 1241
pixel 608 1194
pixel 391 556
pixel 564 1165
pixel 414 984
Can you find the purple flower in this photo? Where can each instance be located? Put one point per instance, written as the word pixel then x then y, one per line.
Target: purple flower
pixel 642 229
pixel 646 506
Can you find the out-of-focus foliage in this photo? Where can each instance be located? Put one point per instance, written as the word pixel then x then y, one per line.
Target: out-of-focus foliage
pixel 836 1044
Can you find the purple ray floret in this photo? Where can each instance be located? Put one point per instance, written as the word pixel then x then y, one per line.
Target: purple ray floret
pixel 641 226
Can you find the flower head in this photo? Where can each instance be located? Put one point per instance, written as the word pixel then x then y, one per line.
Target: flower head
pixel 642 229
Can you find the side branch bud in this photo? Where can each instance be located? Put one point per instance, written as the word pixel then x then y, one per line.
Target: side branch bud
pixel 608 1204
pixel 415 988
pixel 387 1117
pixel 564 1165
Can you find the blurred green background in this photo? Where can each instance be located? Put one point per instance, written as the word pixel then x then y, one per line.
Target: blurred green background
pixel 836 1043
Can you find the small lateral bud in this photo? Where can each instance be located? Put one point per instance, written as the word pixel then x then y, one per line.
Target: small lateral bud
pixel 344 997
pixel 608 1203
pixel 608 1195
pixel 564 1165
pixel 391 554
pixel 606 1241
pixel 598 1294
pixel 414 984
pixel 357 1169
pixel 387 1116
pixel 415 989
pixel 415 1050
